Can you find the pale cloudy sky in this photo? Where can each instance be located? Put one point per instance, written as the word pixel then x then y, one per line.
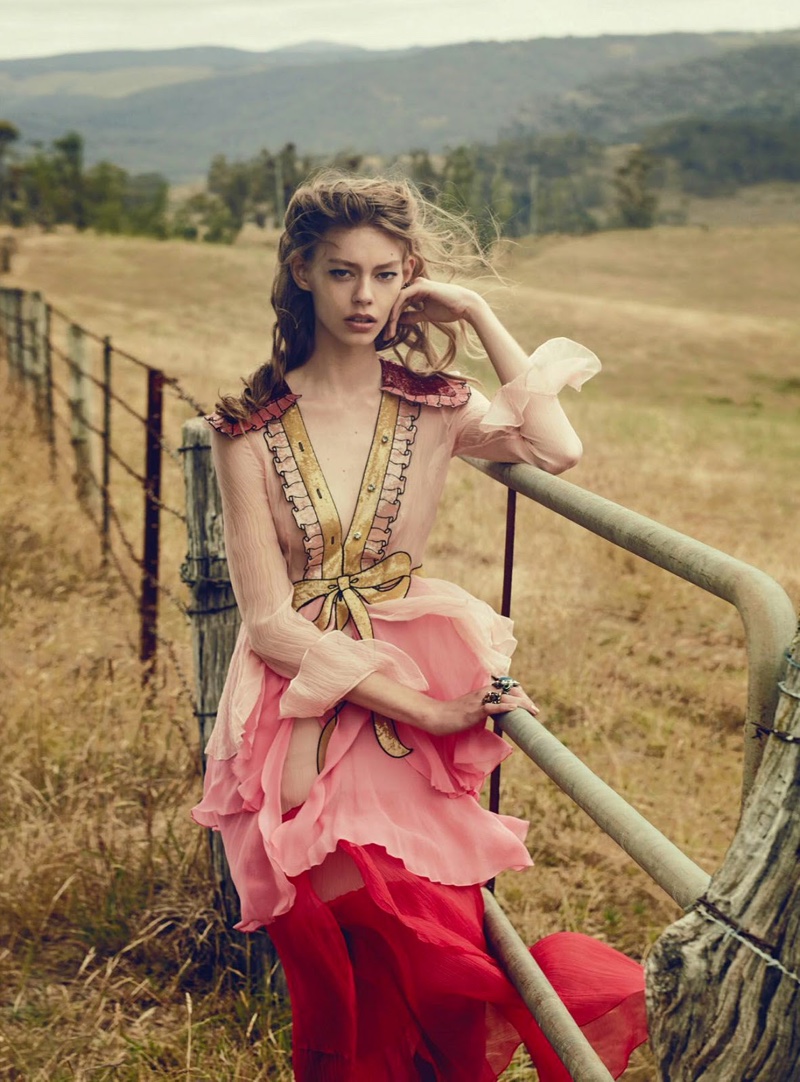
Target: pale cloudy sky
pixel 45 27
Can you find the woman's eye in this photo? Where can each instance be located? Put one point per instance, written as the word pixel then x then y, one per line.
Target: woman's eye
pixel 387 276
pixel 339 272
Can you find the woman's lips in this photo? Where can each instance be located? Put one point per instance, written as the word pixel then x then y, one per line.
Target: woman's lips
pixel 361 323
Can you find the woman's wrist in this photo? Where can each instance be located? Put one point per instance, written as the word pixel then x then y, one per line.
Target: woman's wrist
pixel 385 696
pixel 417 710
pixel 507 356
pixel 477 311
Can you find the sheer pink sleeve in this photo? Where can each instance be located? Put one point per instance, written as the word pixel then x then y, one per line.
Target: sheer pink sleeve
pixel 321 666
pixel 524 422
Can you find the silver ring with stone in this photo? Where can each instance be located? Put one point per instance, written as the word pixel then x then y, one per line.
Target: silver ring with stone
pixel 504 683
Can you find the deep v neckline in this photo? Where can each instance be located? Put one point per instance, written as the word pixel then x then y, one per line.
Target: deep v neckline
pixel 343 551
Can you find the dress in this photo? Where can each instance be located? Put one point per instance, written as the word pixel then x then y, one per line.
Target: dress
pixel 359 842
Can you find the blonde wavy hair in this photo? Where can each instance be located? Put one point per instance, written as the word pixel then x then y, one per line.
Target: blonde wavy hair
pixel 439 242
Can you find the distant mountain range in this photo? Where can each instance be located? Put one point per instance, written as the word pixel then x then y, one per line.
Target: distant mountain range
pixel 172 110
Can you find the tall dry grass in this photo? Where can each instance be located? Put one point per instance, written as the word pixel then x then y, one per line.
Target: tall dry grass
pixel 111 949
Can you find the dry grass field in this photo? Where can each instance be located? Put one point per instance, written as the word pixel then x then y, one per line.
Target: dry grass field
pixel 109 944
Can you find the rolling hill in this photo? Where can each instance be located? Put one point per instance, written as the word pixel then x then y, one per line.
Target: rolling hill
pixel 172 110
pixel 757 83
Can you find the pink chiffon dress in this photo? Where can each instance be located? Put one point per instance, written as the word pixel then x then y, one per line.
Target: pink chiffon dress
pixel 356 840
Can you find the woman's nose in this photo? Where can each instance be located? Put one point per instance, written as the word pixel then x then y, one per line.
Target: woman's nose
pixel 363 291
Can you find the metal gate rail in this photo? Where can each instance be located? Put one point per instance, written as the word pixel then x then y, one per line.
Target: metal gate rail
pixel 769 623
pixel 537 993
pixel 767 613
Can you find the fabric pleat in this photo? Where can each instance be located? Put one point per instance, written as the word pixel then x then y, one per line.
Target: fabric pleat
pixel 393 982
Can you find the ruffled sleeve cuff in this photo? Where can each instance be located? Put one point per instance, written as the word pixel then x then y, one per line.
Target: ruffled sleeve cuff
pixel 556 364
pixel 335 663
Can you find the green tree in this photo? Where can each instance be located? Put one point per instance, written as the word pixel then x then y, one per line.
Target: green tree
pixel 561 208
pixel 262 187
pixel 502 201
pixel 9 134
pixel 232 182
pixel 716 157
pixel 423 173
pixel 458 181
pixel 145 202
pixel 636 203
pixel 68 166
pixel 288 175
pixel 104 188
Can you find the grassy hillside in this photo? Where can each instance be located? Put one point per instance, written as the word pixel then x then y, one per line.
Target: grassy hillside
pixel 109 940
pixel 758 83
pixel 173 111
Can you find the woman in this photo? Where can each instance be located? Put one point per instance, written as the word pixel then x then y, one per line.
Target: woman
pixel 350 745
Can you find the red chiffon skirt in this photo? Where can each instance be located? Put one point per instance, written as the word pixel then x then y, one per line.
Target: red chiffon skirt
pixel 392 982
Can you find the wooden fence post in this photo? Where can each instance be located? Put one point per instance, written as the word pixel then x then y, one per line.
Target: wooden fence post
pixel 48 405
pixel 15 332
pixel 27 345
pixel 723 983
pixel 215 626
pixel 36 337
pixel 7 248
pixel 79 409
pixel 5 324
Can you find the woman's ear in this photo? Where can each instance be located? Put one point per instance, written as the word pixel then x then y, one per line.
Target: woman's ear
pixel 409 263
pixel 299 272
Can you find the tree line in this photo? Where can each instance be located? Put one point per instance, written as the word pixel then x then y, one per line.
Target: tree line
pixel 52 186
pixel 525 183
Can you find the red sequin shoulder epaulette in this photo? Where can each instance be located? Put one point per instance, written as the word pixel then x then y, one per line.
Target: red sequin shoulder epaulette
pixel 433 390
pixel 275 408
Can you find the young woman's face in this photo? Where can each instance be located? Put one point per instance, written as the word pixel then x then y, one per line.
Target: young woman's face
pixel 355 276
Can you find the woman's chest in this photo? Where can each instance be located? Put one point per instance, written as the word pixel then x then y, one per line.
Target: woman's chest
pixel 353 491
pixel 341 443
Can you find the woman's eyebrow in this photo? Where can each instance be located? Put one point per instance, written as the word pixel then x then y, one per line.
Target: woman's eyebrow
pixel 381 266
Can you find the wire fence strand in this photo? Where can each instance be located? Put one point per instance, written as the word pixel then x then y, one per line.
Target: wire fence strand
pixel 70 412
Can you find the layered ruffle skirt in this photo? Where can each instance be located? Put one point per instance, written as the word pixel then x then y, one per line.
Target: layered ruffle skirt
pixel 370 889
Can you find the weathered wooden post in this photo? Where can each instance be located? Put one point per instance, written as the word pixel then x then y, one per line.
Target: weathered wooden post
pixel 5 323
pixel 27 345
pixel 79 410
pixel 215 626
pixel 36 340
pixel 723 983
pixel 7 248
pixel 47 377
pixel 15 332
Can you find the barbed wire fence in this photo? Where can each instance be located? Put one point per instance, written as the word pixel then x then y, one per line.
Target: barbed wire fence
pixel 101 412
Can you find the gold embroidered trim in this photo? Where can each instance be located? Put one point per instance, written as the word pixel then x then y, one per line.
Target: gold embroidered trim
pixel 346 589
pixel 317 488
pixel 371 483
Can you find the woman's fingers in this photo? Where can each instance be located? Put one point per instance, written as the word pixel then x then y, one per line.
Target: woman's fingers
pixel 498 702
pixel 408 295
pixel 524 700
pixel 440 302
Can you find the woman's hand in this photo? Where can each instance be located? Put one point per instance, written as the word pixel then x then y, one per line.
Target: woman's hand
pixel 439 302
pixel 456 715
pixel 445 302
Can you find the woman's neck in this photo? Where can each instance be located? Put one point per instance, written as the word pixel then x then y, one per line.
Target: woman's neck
pixel 338 370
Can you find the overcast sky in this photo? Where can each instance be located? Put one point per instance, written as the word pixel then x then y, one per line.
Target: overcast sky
pixel 45 27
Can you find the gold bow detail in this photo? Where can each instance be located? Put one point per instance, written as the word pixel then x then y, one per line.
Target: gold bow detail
pixel 346 596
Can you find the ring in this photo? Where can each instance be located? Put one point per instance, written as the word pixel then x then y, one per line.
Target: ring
pixel 504 683
pixel 491 697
